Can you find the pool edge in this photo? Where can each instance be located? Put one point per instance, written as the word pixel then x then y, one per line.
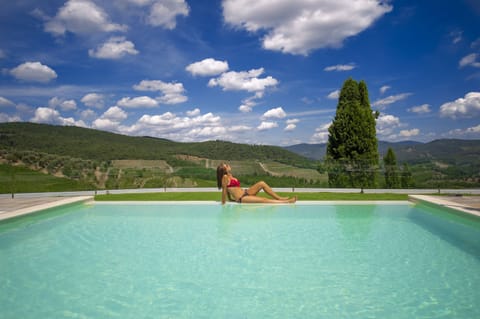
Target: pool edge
pixel 44 206
pixel 439 202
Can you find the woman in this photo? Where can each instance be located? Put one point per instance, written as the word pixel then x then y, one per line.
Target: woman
pixel 230 187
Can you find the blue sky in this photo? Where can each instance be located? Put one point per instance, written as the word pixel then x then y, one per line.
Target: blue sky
pixel 257 72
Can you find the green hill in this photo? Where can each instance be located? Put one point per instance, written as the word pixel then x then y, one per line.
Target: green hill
pixel 105 146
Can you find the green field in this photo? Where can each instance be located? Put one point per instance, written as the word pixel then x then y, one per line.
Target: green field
pixel 216 196
pixel 18 179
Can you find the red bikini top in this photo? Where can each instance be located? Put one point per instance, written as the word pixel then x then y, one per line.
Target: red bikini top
pixel 233 182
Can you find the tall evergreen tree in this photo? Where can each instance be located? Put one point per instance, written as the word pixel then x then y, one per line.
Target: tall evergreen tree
pixel 406 180
pixel 391 170
pixel 352 151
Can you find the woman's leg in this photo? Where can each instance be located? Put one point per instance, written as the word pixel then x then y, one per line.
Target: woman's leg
pixel 253 190
pixel 262 200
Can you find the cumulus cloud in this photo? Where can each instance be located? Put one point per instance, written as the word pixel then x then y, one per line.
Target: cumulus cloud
pixel 9 118
pixel 278 113
pixel 291 125
pixel 33 72
pixel 93 100
pixel 409 133
pixel 137 102
pixel 470 60
pixel 298 27
pixel 173 93
pixel 334 95
pixel 115 113
pixel 50 116
pixel 386 124
pixel 420 109
pixel 207 67
pixel 111 120
pixel 164 13
pixel 383 103
pixel 249 81
pixel 65 105
pixel 81 17
pixel 194 112
pixel 340 67
pixel 267 126
pixel 189 128
pixel 466 107
pixel 6 102
pixel 321 134
pixel 113 48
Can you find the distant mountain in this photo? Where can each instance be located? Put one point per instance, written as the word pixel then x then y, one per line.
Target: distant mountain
pixel 450 151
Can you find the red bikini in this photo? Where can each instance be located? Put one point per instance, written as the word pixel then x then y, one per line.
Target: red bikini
pixel 233 182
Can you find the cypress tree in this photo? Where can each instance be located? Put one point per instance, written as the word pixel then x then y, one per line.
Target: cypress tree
pixel 352 152
pixel 391 170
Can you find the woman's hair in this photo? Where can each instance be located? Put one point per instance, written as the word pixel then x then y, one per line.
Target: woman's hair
pixel 221 171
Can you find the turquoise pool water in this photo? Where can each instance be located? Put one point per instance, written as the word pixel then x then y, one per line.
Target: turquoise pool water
pixel 240 261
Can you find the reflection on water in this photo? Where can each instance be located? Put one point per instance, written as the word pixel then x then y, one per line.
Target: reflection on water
pixel 460 231
pixel 355 221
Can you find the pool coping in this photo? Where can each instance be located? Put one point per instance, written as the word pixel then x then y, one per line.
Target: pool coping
pixel 43 206
pixel 437 201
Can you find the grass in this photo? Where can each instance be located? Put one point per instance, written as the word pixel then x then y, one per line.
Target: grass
pixel 215 196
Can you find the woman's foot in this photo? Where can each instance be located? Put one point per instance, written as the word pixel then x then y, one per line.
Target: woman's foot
pixel 292 200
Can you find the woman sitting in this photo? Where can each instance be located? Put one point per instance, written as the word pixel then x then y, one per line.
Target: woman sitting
pixel 230 187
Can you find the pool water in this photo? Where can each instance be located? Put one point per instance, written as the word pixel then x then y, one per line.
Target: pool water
pixel 240 261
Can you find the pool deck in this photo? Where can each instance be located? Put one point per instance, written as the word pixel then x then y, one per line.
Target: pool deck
pixel 14 207
pixel 10 208
pixel 466 204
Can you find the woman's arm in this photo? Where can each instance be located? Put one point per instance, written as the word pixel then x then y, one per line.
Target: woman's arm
pixel 224 189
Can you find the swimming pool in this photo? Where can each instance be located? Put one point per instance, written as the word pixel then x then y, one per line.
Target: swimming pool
pixel 240 261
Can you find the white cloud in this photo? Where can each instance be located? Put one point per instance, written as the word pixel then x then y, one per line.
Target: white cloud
pixel 194 112
pixel 88 114
pixel 81 17
pixel 173 93
pixel 334 95
pixel 466 107
pixel 244 81
pixel 383 103
pixel 470 60
pixel 51 116
pixel 115 113
pixel 321 134
pixel 33 72
pixel 278 113
pixel 111 120
pixel 65 105
pixel 113 48
pixel 6 102
pixel 290 127
pixel 2 54
pixel 420 109
pixel 340 67
pixel 164 13
pixel 207 67
pixel 384 89
pixel 386 124
pixel 190 128
pixel 93 100
pixel 249 103
pixel 137 102
pixel 409 133
pixel 267 126
pixel 298 27
pixel 9 118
